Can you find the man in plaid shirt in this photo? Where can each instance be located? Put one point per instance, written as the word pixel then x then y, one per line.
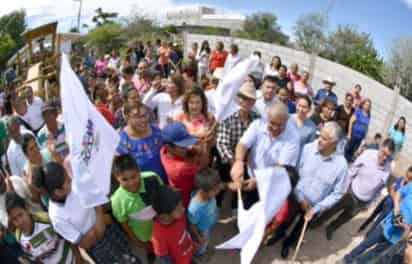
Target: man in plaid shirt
pixel 231 130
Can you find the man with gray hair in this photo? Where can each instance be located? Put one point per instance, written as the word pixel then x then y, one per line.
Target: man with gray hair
pixel 271 142
pixel 323 181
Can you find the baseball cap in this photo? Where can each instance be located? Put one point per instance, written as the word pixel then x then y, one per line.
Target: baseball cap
pixel 175 133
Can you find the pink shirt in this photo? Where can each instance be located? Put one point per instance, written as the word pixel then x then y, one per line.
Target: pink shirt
pixel 141 85
pixel 357 100
pixel 163 55
pixel 294 77
pixel 303 89
pixel 100 66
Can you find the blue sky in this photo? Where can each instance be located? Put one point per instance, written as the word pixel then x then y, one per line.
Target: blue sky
pixel 385 20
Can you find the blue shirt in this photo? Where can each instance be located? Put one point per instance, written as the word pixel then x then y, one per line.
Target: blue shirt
pixel 397 136
pixel 323 180
pixel 202 214
pixel 323 94
pixel 391 232
pixel 307 132
pixel 361 124
pixel 262 107
pixel 267 151
pixel 291 107
pixel 145 151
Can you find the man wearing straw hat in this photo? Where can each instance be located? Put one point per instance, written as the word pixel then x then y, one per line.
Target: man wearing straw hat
pixel 323 179
pixel 326 92
pixel 231 130
pixel 264 144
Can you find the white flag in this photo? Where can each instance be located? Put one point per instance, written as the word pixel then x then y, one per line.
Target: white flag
pixel 92 141
pixel 274 187
pixel 225 95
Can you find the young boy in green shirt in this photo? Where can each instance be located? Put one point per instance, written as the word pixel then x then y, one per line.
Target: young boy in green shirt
pixel 131 202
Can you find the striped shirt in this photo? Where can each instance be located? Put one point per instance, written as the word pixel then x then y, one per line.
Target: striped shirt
pixel 60 137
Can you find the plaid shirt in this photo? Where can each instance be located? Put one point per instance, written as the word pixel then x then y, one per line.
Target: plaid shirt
pixel 229 133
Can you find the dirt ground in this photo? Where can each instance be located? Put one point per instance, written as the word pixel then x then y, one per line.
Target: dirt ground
pixel 315 248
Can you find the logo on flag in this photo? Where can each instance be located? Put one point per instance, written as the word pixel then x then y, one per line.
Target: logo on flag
pixel 91 139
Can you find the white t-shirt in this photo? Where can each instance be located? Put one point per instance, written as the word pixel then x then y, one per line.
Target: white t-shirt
pixel 33 115
pixel 165 107
pixel 271 72
pixel 114 63
pixel 71 220
pixel 16 158
pixel 45 242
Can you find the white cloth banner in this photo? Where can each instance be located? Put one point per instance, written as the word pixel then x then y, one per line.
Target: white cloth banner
pixel 92 140
pixel 274 187
pixel 225 95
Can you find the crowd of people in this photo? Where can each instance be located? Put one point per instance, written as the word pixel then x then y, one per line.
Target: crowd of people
pixel 176 162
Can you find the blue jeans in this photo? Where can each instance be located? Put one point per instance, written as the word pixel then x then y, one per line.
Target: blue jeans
pixel 202 249
pixel 351 147
pixel 375 239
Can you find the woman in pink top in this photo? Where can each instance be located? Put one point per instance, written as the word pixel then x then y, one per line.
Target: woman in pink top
pixel 302 87
pixel 357 97
pixel 100 65
pixel 293 73
pixel 163 63
pixel 197 120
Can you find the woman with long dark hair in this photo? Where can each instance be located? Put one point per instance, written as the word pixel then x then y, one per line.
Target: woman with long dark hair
pixel 203 58
pixel 397 134
pixel 273 68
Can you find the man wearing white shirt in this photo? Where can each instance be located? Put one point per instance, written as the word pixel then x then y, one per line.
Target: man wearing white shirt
pixel 268 98
pixel 15 155
pixel 264 144
pixel 33 115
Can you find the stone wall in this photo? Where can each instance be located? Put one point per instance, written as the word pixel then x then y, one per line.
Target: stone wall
pixel 383 115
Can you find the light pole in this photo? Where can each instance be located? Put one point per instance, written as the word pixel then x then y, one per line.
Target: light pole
pixel 79 14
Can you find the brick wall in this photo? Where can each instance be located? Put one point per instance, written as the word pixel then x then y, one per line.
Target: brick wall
pixel 382 97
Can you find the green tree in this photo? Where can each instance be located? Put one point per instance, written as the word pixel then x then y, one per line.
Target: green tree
pixel 399 66
pixel 263 27
pixel 139 25
pixel 310 32
pixel 12 26
pixel 354 49
pixel 7 46
pixel 101 18
pixel 106 37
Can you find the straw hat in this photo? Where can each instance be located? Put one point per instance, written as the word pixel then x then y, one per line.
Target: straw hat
pixel 248 90
pixel 329 80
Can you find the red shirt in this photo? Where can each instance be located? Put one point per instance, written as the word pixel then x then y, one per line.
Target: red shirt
pixel 217 59
pixel 173 240
pixel 106 113
pixel 180 174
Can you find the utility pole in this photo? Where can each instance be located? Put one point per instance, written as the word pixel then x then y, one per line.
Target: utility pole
pixel 79 14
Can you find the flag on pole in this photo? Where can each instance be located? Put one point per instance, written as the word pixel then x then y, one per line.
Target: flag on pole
pixel 225 96
pixel 91 139
pixel 273 186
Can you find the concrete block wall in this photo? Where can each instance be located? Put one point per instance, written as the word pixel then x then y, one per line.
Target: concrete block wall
pixel 381 96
